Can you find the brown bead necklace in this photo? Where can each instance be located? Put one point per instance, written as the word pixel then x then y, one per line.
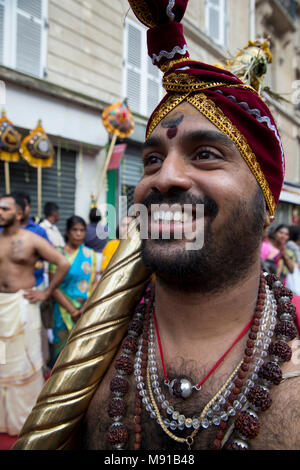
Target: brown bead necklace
pixel 117 435
pixel 245 393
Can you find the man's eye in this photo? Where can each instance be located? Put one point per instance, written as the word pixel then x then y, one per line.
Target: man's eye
pixel 151 160
pixel 206 155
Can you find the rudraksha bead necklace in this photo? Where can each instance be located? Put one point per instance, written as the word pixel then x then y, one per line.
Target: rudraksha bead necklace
pixel 247 425
pixel 118 433
pixel 245 393
pixel 224 404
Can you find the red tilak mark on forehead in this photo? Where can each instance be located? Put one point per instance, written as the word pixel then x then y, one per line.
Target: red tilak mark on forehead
pixel 172 132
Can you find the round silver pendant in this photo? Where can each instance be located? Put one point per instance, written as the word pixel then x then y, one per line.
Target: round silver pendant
pixel 180 388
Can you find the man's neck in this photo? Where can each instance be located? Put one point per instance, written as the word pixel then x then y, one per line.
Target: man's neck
pixel 11 230
pixel 193 323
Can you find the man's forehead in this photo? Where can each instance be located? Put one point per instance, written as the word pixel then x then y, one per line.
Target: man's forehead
pixel 7 202
pixel 190 124
pixel 186 117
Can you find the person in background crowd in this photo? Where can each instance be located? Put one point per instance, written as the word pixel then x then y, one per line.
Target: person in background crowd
pixel 294 242
pixel 40 271
pixel 92 238
pixel 286 260
pixel 112 245
pixel 28 223
pixel 269 255
pixel 70 297
pixel 51 212
pixel 21 377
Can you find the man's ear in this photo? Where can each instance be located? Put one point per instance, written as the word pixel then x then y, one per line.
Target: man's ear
pixel 19 214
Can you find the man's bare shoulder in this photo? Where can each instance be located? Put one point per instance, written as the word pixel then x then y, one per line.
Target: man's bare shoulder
pixel 280 425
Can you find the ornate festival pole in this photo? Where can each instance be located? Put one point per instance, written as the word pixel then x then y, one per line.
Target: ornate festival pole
pixel 118 121
pixel 10 141
pixel 38 151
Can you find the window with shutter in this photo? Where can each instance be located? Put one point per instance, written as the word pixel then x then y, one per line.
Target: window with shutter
pixel 215 17
pixel 153 86
pixel 29 36
pixel 134 67
pixel 24 35
pixel 142 80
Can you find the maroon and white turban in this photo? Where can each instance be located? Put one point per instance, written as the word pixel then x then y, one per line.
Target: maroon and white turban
pixel 233 107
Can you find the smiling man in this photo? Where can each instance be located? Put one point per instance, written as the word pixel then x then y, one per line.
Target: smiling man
pixel 208 360
pixel 199 166
pixel 207 356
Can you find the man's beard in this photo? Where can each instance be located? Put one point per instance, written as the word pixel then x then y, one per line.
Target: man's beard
pixel 8 222
pixel 225 257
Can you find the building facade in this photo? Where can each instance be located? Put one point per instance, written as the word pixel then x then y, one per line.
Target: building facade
pixel 64 61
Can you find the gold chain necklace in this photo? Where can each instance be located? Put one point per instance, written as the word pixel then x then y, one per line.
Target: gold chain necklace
pixel 189 440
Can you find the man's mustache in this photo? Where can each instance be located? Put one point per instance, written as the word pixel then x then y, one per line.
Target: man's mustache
pixel 210 207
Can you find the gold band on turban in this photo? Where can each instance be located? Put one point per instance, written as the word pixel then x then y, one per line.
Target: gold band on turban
pixel 91 347
pixel 185 88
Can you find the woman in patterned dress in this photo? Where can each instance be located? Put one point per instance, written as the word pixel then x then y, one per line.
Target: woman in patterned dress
pixel 70 297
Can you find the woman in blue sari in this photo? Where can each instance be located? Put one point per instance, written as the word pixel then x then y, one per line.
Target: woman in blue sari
pixel 70 297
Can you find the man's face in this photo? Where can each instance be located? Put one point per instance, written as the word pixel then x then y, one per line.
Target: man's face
pixel 9 212
pixel 56 217
pixel 27 211
pixel 187 160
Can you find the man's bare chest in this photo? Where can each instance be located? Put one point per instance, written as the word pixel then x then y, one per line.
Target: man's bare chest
pixel 16 250
pixel 153 434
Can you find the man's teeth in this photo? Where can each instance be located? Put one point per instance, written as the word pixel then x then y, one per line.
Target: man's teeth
pixel 169 216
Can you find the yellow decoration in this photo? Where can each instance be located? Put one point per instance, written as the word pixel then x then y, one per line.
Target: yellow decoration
pixel 119 122
pixel 10 140
pixel 37 149
pixel 118 119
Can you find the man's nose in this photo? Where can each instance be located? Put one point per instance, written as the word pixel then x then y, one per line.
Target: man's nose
pixel 172 174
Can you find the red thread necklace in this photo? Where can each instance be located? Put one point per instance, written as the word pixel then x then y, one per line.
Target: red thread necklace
pixel 181 387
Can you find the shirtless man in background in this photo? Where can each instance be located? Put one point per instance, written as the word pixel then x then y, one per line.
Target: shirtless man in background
pixel 21 377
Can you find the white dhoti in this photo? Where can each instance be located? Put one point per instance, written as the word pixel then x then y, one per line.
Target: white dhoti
pixel 21 361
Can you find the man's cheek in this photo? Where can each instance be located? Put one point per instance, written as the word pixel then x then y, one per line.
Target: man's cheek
pixel 139 193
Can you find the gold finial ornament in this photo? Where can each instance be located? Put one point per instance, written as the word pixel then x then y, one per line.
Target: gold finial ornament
pixel 250 63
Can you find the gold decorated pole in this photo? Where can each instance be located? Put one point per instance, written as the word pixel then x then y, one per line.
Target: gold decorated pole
pixel 118 121
pixel 39 192
pixel 91 347
pixel 38 151
pixel 107 160
pixel 7 177
pixel 10 141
